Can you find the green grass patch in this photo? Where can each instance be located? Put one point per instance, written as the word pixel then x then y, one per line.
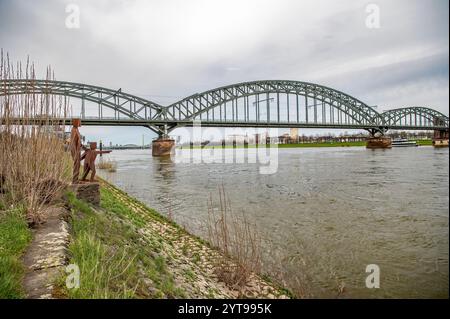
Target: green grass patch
pixel 424 142
pixel 190 274
pixel 14 238
pixel 114 260
pixel 325 144
pixel 110 202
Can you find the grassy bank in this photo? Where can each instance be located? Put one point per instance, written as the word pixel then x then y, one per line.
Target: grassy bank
pixel 127 250
pixel 325 144
pixel 14 238
pixel 424 142
pixel 113 259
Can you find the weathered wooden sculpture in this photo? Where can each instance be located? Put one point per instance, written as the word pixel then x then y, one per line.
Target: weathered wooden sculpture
pixel 89 157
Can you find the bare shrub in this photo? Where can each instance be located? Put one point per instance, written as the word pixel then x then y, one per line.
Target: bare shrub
pixel 237 239
pixel 34 165
pixel 107 164
pixel 289 271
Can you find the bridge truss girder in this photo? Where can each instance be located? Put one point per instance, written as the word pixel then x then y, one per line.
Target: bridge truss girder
pixel 337 109
pixel 127 105
pixel 416 116
pixel 201 105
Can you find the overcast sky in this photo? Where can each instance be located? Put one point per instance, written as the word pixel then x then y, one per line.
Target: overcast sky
pixel 166 50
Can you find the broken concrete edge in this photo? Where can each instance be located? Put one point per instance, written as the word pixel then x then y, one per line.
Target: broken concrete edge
pixel 47 254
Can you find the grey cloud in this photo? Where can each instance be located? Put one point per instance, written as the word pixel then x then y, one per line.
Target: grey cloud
pixel 164 50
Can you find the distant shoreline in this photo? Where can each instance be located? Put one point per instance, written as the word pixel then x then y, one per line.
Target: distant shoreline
pixel 295 145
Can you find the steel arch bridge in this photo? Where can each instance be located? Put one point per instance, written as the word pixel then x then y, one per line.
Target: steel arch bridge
pixel 123 104
pixel 205 105
pixel 416 116
pixel 272 103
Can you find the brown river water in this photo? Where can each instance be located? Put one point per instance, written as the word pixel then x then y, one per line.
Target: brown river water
pixel 324 215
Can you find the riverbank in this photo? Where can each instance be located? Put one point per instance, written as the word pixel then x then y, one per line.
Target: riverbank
pixel 123 249
pixel 127 250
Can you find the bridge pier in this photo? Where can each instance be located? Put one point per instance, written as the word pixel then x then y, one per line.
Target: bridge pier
pixel 162 146
pixel 440 138
pixel 378 142
pixel 381 141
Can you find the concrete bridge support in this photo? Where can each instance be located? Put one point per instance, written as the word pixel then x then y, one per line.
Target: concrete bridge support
pixel 379 141
pixel 162 146
pixel 440 138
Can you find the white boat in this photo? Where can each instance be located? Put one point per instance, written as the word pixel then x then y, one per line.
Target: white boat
pixel 403 142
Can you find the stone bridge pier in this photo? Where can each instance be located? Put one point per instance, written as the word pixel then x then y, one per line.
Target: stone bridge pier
pixel 163 145
pixel 440 138
pixel 378 140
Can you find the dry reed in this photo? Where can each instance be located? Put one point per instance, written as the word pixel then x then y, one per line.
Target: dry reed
pixel 107 164
pixel 34 165
pixel 237 239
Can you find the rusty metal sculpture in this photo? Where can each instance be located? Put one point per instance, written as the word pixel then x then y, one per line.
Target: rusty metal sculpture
pixel 89 157
pixel 75 149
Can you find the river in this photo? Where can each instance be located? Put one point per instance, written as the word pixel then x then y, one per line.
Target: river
pixel 324 215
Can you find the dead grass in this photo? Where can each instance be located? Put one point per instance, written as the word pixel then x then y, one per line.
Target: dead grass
pixel 33 162
pixel 237 239
pixel 107 164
